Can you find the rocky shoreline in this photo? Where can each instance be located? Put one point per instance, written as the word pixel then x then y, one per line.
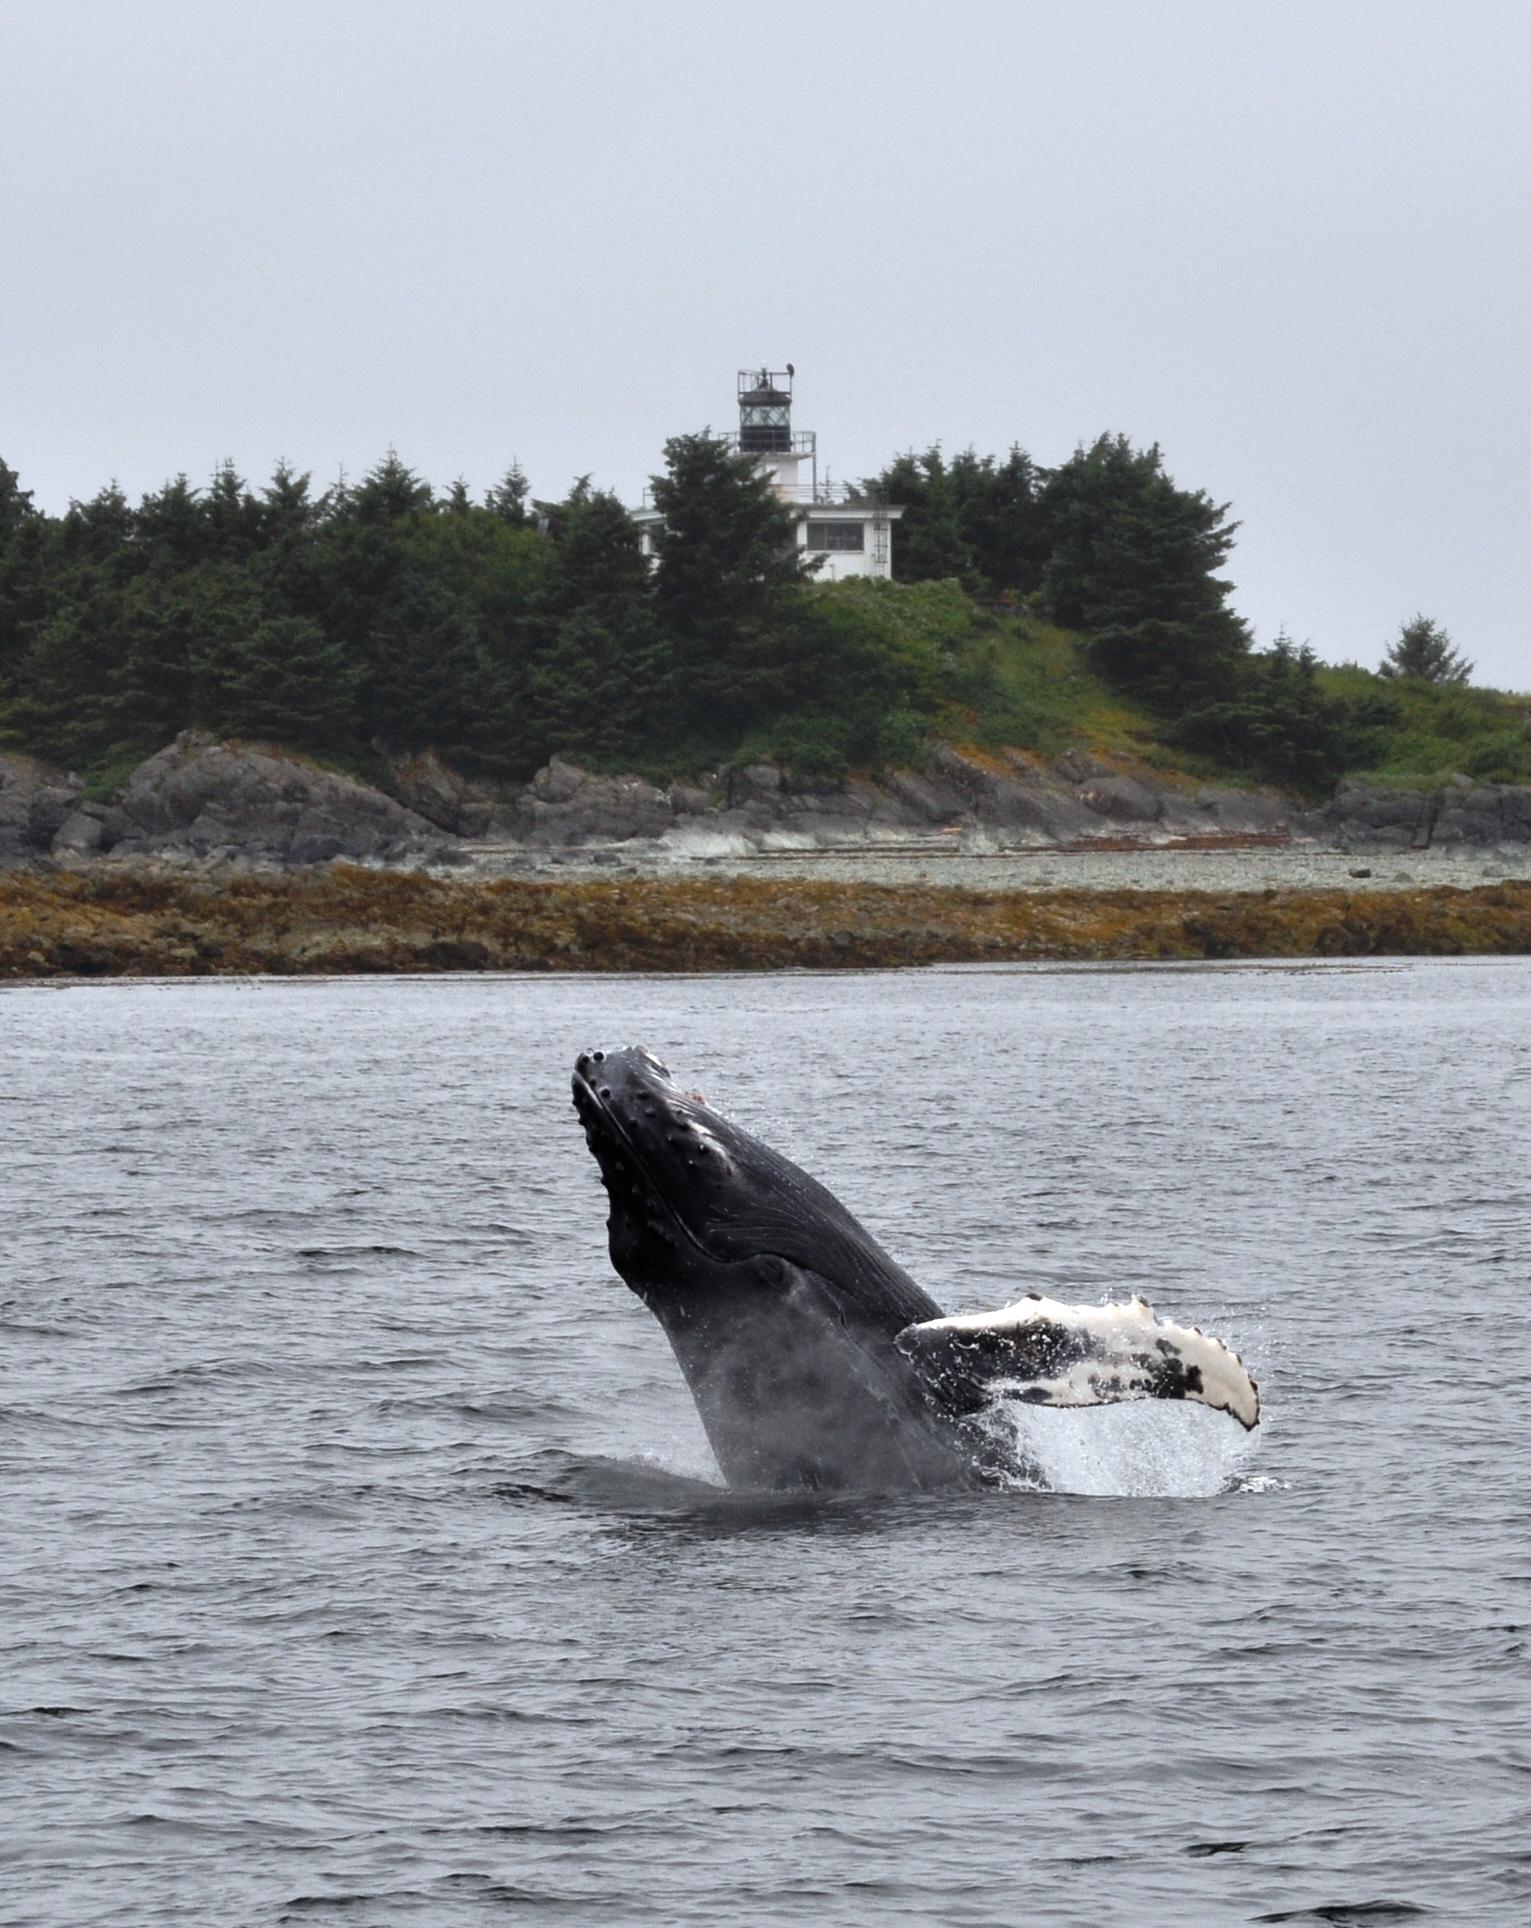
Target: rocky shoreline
pixel 1012 820
pixel 109 921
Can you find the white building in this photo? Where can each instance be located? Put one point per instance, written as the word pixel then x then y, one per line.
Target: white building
pixel 845 532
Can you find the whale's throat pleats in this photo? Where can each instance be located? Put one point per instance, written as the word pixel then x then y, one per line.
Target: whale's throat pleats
pixel 797 1388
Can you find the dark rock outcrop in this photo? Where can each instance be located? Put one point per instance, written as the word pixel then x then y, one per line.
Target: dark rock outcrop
pixel 1122 798
pixel 203 799
pixel 1369 817
pixel 1484 813
pixel 35 804
pixel 1359 815
pixel 446 798
pixel 1010 795
pixel 567 806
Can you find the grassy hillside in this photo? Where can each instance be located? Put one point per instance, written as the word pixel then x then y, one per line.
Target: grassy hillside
pixel 1440 732
pixel 1017 680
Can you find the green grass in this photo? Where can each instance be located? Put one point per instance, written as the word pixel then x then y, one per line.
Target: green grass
pixel 105 777
pixel 1019 682
pixel 1441 731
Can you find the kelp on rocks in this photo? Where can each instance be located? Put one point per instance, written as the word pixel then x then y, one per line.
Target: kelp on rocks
pixel 162 923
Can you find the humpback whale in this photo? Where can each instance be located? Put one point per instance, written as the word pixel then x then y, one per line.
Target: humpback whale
pixel 815 1361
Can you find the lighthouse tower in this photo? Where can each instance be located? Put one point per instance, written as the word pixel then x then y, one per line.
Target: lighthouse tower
pixel 765 430
pixel 845 532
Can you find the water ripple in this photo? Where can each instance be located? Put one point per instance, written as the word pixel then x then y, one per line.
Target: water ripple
pixel 364 1560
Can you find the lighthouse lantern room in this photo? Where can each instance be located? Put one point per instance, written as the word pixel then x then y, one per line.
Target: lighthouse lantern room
pixel 844 532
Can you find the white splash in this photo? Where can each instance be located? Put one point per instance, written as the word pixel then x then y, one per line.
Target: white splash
pixel 1148 1450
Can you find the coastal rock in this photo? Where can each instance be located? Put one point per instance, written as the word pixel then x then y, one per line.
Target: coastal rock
pixel 1010 802
pixel 1238 813
pixel 755 783
pixel 1488 813
pixel 435 791
pixel 1361 815
pixel 1462 813
pixel 694 799
pixel 567 805
pixel 1122 798
pixel 928 799
pixel 81 833
pixel 200 798
pixel 35 803
pixel 1078 766
pixel 205 802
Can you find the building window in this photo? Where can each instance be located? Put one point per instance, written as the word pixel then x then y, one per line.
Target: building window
pixel 836 535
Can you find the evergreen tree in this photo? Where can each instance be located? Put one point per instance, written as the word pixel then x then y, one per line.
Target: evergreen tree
pixel 288 682
pixel 1423 649
pixel 973 520
pixel 289 519
pixel 507 499
pixel 55 702
pixel 288 506
pixel 232 519
pixel 598 669
pixel 1132 561
pixel 100 535
pixel 170 529
pixel 929 544
pixel 728 573
pixel 1000 520
pixel 1275 720
pixel 15 501
pixel 389 493
pixel 377 594
pixel 23 538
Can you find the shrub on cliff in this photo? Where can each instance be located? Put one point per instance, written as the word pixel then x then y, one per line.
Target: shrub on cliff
pixel 1277 721
pixel 858 673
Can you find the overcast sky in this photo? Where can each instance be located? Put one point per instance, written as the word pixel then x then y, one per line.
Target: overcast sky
pixel 1288 242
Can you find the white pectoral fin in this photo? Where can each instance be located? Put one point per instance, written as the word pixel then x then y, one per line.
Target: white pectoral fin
pixel 1046 1353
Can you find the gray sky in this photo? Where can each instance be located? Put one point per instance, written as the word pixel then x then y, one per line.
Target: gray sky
pixel 1287 241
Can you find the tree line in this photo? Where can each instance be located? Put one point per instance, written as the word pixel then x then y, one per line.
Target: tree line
pixel 1107 544
pixel 383 616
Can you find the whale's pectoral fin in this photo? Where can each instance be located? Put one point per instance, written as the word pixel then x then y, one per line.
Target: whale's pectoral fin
pixel 1046 1353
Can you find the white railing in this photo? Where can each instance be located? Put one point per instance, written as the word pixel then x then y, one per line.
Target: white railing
pixel 828 495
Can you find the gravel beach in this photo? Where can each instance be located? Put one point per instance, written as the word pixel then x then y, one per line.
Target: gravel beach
pixel 1297 866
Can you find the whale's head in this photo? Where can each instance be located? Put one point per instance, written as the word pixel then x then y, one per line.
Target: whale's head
pixel 693 1194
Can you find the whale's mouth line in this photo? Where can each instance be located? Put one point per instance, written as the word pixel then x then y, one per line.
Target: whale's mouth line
pixel 629 1167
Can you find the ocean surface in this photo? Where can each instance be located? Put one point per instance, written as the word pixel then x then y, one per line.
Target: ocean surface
pixel 362 1560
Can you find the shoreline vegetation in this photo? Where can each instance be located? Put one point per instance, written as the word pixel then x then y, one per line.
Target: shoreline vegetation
pixel 1038 611
pixel 355 921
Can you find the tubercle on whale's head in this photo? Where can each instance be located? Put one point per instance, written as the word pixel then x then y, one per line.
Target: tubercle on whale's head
pixel 670 1164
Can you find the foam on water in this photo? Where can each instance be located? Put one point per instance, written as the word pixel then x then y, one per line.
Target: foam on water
pixel 1140 1451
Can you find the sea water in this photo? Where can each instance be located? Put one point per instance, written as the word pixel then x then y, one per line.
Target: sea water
pixel 362 1559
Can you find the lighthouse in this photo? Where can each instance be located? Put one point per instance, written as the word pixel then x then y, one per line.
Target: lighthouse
pixel 845 532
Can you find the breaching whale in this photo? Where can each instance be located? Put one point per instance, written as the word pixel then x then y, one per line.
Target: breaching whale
pixel 814 1359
